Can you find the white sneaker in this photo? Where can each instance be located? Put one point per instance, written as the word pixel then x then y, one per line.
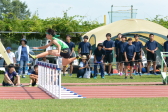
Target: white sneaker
pixel 105 73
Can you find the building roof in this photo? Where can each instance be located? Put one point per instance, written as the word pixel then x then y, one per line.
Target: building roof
pixel 130 26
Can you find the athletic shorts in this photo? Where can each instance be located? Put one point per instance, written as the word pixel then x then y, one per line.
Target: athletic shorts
pixel 108 58
pixel 65 53
pixel 129 63
pixel 117 58
pixel 121 58
pixel 138 57
pixel 151 56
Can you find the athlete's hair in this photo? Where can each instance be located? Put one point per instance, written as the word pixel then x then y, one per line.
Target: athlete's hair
pixel 11 66
pixel 136 35
pixel 108 34
pixel 68 35
pixel 151 34
pixel 51 32
pixel 130 39
pixel 100 45
pixel 35 66
pixel 123 36
pixel 119 34
pixel 23 40
pixel 85 37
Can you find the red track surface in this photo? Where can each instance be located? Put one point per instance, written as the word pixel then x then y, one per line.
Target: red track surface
pixel 120 91
pixel 22 93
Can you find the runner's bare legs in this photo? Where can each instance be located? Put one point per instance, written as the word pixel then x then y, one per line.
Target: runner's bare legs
pixel 65 61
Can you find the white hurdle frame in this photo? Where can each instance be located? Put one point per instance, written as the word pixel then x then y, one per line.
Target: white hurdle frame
pixel 49 79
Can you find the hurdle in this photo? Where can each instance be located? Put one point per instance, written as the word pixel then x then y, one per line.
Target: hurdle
pixel 164 73
pixel 49 80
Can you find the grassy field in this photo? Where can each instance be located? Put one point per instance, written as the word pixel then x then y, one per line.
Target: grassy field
pixel 87 105
pixel 108 79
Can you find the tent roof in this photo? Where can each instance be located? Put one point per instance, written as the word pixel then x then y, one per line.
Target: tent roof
pixel 143 27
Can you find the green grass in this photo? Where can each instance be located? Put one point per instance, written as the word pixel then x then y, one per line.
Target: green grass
pixel 87 105
pixel 108 79
pixel 111 79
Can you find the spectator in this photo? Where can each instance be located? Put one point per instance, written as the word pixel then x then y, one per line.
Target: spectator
pixel 138 56
pixel 11 78
pixel 121 49
pixel 129 54
pixel 116 52
pixel 165 49
pixel 108 46
pixel 82 66
pixel 44 59
pixel 23 57
pixel 34 77
pixel 99 55
pixel 11 55
pixel 151 47
pixel 72 54
pixel 85 48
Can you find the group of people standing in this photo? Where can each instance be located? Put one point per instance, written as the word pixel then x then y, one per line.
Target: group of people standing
pixel 128 54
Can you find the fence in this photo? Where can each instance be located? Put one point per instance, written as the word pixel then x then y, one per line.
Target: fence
pixel 49 79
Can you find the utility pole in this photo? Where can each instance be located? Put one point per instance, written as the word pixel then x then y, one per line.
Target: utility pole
pixel 111 13
pixel 131 11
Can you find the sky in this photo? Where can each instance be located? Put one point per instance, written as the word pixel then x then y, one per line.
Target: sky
pixel 96 9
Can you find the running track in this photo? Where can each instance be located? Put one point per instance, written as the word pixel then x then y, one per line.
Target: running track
pixel 88 92
pixel 120 91
pixel 22 93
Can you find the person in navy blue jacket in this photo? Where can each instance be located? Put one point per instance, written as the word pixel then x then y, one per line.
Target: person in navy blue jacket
pixel 121 49
pixel 165 49
pixel 138 57
pixel 108 45
pixel 129 54
pixel 151 47
pixel 116 51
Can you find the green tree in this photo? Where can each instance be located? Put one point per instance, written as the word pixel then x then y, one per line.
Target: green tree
pixel 162 21
pixel 16 7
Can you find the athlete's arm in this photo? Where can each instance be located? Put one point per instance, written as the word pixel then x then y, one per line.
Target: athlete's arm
pixel 6 75
pixel 125 56
pixel 14 59
pixel 156 49
pixel 72 51
pixel 44 47
pixel 110 48
pixel 134 56
pixel 148 49
pixel 58 45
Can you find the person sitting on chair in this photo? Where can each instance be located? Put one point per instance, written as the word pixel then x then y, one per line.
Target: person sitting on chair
pixel 11 78
pixel 82 67
pixel 34 77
